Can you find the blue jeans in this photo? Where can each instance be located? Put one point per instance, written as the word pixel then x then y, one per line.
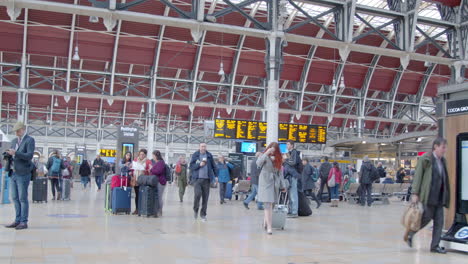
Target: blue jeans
pixel 252 195
pixel 99 181
pixel 85 180
pixel 19 195
pixel 335 192
pixel 293 199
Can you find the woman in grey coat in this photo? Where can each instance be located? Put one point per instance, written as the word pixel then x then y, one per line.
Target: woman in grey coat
pixel 270 181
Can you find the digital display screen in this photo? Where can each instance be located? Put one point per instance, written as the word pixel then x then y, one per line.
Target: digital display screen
pixel 283 132
pixel 262 130
pixel 230 129
pixel 302 133
pixel 248 147
pixel 127 147
pixel 464 170
pixel 107 152
pixel 292 135
pixel 283 148
pixel 322 134
pixel 220 124
pixel 241 132
pixel 252 130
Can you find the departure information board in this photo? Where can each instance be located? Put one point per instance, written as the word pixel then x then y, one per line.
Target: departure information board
pixel 283 132
pixel 254 130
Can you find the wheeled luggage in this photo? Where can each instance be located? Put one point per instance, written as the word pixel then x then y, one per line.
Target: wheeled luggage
pixel 108 197
pixel 39 192
pixel 121 200
pixel 148 180
pixel 148 202
pixel 119 181
pixel 228 194
pixel 304 205
pixel 280 213
pixel 66 189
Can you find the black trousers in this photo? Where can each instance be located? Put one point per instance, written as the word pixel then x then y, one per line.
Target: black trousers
pixel 311 193
pixel 137 194
pixel 202 191
pixel 435 213
pixel 322 185
pixel 222 190
pixel 366 192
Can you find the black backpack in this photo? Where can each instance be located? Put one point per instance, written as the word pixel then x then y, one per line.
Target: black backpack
pixel 299 166
pixel 168 173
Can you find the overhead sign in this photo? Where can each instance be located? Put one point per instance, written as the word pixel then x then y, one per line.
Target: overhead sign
pixel 108 152
pixel 254 130
pixel 457 107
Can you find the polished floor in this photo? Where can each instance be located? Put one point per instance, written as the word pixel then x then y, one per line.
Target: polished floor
pixel 78 231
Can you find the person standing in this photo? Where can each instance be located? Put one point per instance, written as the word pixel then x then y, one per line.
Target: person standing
pixel 55 166
pixel 254 174
pixel 365 181
pixel 400 175
pixel 270 182
pixel 85 171
pixel 335 172
pixel 203 172
pixel 143 168
pixel 181 174
pixel 309 178
pixel 324 171
pixel 381 171
pixel 158 168
pixel 295 165
pixel 431 188
pixel 224 176
pixel 21 152
pixel 99 169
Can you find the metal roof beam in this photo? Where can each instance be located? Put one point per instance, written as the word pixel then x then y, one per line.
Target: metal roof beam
pixel 207 26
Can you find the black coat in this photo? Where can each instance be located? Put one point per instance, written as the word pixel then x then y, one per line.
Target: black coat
pixel 324 171
pixel 85 170
pixel 366 173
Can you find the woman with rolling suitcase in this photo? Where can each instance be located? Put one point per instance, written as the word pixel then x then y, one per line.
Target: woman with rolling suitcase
pixel 142 167
pixel 270 182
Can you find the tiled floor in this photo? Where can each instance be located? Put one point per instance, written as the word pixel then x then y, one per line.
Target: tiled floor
pixel 348 234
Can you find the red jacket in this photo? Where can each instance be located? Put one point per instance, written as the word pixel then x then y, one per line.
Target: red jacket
pixel 338 175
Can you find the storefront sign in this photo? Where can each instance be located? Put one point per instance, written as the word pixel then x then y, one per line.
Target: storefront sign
pixel 457 107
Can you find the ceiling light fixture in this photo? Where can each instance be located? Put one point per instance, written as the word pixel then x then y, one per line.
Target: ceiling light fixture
pixel 56 102
pixel 334 85
pixel 419 139
pixel 427 64
pixel 364 142
pixel 76 56
pixel 221 69
pixel 142 108
pixel 94 19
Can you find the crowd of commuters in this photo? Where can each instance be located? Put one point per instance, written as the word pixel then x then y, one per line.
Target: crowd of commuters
pixel 271 173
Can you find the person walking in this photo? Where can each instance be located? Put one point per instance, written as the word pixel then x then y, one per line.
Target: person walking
pixel 335 173
pixel 181 174
pixel 254 174
pixel 324 172
pixel 21 154
pixel 270 182
pixel 55 166
pixel 84 172
pixel 99 169
pixel 294 165
pixel 367 176
pixel 431 187
pixel 203 173
pixel 158 168
pixel 309 179
pixel 142 167
pixel 224 176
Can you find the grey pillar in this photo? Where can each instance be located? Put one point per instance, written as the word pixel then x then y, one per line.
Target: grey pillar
pixel 151 116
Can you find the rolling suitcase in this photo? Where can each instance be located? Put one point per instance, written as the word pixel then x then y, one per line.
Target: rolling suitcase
pixel 148 202
pixel 108 198
pixel 66 189
pixel 39 192
pixel 228 194
pixel 304 206
pixel 121 198
pixel 280 213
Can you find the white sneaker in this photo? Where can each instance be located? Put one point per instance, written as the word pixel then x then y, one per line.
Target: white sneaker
pixel 204 219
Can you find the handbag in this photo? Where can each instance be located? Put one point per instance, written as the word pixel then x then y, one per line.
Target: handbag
pixel 65 172
pixel 412 217
pixel 331 182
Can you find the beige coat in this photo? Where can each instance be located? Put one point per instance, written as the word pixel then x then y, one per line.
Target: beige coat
pixel 270 180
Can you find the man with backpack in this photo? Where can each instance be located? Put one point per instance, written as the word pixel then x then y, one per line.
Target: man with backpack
pixel 309 178
pixel 295 164
pixel 368 175
pixel 55 166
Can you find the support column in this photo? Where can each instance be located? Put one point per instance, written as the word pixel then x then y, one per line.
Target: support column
pixel 273 61
pixel 151 116
pixel 22 95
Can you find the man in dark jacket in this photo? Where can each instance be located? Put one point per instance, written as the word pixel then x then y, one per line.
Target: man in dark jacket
pixel 22 152
pixel 254 174
pixel 324 171
pixel 203 172
pixel 381 171
pixel 431 188
pixel 309 178
pixel 365 181
pixel 294 164
pixel 99 169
